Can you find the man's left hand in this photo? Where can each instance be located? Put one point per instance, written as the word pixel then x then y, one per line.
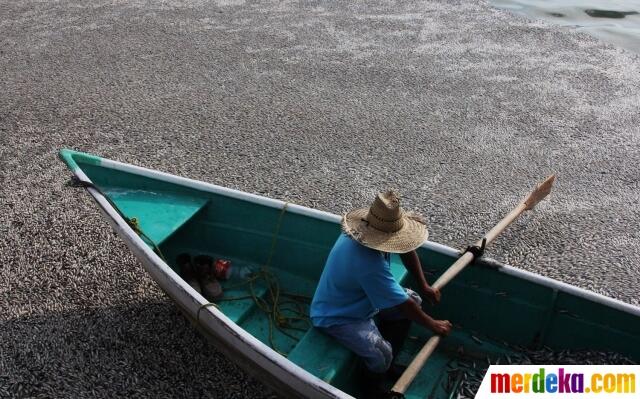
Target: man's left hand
pixel 431 294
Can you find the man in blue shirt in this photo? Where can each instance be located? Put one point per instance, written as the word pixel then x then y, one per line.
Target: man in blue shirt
pixel 357 284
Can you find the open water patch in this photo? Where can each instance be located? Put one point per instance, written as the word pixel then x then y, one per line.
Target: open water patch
pixel 616 22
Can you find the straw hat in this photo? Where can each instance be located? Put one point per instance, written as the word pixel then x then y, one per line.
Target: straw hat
pixel 385 226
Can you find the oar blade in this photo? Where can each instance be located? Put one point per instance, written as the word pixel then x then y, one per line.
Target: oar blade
pixel 539 193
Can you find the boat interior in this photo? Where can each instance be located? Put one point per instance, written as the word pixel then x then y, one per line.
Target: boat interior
pixel 278 258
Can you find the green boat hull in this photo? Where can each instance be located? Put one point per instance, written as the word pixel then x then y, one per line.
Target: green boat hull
pixel 496 309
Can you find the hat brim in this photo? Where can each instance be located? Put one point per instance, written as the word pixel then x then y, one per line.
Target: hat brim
pixel 411 236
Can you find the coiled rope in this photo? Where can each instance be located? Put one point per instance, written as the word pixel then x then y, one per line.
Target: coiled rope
pixel 277 302
pixel 274 308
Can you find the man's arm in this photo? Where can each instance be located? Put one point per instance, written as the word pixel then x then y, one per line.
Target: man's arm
pixel 412 263
pixel 413 312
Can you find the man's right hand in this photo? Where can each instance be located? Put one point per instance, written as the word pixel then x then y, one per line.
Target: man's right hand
pixel 441 327
pixel 413 312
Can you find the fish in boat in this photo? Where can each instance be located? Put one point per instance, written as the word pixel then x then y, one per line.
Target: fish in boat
pixel 261 321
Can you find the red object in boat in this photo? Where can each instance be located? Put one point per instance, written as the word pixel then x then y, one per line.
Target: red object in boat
pixel 222 268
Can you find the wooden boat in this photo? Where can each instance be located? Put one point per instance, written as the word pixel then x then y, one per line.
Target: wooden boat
pixel 498 309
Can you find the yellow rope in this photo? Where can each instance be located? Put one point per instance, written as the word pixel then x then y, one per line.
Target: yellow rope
pixel 273 312
pixel 274 239
pixel 273 308
pixel 135 225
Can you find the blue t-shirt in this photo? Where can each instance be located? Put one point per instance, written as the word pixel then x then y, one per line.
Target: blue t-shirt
pixel 356 282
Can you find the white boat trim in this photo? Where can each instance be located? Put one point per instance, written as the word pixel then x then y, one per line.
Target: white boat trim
pixel 571 289
pixel 228 192
pixel 329 217
pixel 305 384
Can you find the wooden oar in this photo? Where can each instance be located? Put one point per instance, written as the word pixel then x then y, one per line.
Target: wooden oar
pixel 528 203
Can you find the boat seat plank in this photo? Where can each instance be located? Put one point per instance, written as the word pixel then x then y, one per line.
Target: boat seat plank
pixel 159 216
pixel 279 338
pixel 321 355
pixel 239 310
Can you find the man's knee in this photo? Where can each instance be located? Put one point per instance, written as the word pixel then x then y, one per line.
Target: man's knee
pixel 379 358
pixel 365 340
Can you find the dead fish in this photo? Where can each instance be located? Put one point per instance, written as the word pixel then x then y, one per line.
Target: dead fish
pixel 477 340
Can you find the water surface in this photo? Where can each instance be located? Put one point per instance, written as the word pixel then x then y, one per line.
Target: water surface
pixel 616 21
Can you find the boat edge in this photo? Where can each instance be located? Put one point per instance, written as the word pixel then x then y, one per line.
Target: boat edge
pixel 151 260
pixel 326 216
pixel 164 275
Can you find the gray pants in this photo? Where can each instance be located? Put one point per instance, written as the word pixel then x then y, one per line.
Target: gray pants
pixel 364 339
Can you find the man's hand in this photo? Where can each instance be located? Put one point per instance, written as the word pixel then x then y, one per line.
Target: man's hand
pixel 412 264
pixel 431 294
pixel 413 312
pixel 441 327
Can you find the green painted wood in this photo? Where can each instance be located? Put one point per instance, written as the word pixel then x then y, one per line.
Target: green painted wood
pixel 500 309
pixel 74 158
pixel 239 309
pixel 578 323
pixel 159 214
pixel 321 355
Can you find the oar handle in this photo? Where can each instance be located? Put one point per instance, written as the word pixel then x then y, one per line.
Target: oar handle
pixel 504 223
pixel 453 270
pixel 421 358
pixel 467 257
pixel 416 365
